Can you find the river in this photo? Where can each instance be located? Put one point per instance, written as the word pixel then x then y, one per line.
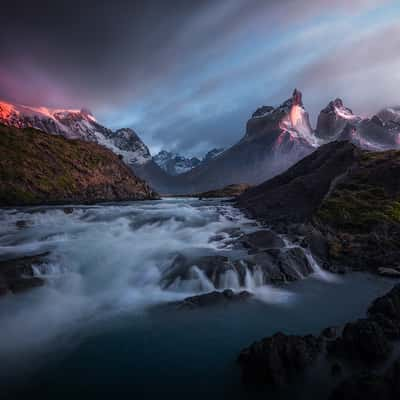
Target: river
pixel 96 329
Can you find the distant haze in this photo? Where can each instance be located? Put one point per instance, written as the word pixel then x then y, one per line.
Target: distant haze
pixel 186 75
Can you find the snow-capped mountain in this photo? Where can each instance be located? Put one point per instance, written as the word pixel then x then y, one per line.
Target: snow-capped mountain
pixel 275 138
pixel 175 164
pixel 212 154
pixel 333 119
pixel 337 122
pixel 290 118
pixel 76 124
pixel 390 116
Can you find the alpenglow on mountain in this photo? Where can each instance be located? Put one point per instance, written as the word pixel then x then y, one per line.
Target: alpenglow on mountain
pixel 76 124
pixel 275 138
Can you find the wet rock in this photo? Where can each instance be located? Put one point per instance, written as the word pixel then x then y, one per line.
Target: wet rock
pixel 217 238
pixel 370 386
pixel 385 310
pixel 263 240
pixel 183 269
pixel 318 244
pixel 68 210
pixel 21 224
pixel 286 265
pixel 363 340
pixel 275 360
pixel 294 264
pixel 366 386
pixel 23 284
pixel 212 299
pixel 389 272
pixel 233 232
pixel 387 305
pixel 269 267
pixel 16 275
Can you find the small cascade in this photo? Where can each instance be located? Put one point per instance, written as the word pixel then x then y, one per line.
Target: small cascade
pixel 318 271
pixel 205 285
pixel 247 279
pixel 229 280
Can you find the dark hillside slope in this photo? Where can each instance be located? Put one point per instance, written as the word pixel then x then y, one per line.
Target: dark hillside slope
pixel 38 168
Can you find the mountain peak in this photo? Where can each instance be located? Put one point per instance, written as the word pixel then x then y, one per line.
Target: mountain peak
pixel 76 124
pixel 297 98
pixel 296 121
pixel 175 164
pixel 333 119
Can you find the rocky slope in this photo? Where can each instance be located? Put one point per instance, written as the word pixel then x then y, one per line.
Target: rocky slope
pixel 175 164
pixel 361 346
pixel 77 124
pixel 343 200
pixel 381 132
pixel 275 138
pixel 39 168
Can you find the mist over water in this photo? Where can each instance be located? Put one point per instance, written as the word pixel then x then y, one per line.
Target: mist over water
pixel 107 259
pixel 103 276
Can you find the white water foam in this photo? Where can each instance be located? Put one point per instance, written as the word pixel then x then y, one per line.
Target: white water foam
pixel 109 259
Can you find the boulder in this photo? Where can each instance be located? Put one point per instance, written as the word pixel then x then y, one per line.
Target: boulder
pixel 17 275
pixel 182 268
pixel 262 240
pixel 275 360
pixel 363 340
pixel 370 386
pixel 21 224
pixel 294 264
pixel 389 272
pixel 388 305
pixel 212 299
pixel 267 263
pixel 285 265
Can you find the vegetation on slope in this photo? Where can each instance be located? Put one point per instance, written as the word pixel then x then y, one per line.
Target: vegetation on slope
pixel 37 168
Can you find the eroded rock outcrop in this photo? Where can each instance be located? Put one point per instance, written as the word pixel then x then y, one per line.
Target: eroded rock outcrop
pixel 343 200
pixel 213 298
pixel 276 360
pixel 17 275
pixel 362 344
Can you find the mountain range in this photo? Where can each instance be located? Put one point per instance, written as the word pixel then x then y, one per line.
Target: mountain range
pixel 175 164
pixel 275 138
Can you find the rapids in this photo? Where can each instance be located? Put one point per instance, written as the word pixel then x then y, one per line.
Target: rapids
pixel 105 267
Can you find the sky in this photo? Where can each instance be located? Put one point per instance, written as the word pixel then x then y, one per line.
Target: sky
pixel 186 75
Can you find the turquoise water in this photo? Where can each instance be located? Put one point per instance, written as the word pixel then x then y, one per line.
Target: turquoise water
pixel 97 329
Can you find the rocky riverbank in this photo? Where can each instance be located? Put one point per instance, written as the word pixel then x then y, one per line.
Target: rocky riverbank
pixel 364 345
pixel 341 202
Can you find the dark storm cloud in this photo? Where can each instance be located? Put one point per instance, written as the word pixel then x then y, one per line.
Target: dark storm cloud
pixel 187 74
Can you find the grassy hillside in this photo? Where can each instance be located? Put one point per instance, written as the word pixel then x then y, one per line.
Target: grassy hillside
pixel 37 168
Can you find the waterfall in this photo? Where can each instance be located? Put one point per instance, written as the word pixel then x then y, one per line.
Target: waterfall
pixel 318 271
pixel 205 285
pixel 229 280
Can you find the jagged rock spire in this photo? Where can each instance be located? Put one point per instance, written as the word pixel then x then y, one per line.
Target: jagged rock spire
pixel 297 98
